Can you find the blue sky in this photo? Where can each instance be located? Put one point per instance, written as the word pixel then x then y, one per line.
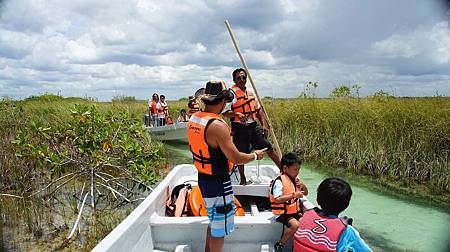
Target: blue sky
pixel 108 48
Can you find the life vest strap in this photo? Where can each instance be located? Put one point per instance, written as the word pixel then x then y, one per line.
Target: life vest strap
pixel 243 104
pixel 202 161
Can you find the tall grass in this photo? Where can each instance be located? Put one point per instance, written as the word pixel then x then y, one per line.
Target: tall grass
pixel 399 139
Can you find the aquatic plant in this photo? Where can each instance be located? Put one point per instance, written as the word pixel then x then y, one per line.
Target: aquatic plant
pixel 95 151
pixel 397 139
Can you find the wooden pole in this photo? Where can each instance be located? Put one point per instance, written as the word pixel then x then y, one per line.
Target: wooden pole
pixel 266 117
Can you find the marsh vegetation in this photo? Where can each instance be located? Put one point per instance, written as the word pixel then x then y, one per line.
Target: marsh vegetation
pixel 71 169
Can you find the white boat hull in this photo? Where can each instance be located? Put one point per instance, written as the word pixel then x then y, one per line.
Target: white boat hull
pixel 147 228
pixel 177 131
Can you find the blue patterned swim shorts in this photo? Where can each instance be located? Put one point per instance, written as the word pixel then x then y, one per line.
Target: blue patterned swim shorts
pixel 219 202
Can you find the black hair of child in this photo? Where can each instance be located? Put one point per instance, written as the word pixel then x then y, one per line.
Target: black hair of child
pixel 289 159
pixel 333 195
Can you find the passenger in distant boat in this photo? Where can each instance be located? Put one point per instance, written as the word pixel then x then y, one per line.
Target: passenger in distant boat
pixel 183 116
pixel 214 154
pixel 244 110
pixel 193 105
pixel 169 120
pixel 162 109
pixel 152 112
pixel 334 233
pixel 286 192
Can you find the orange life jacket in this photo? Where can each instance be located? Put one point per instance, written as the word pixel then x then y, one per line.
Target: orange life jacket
pixel 153 107
pixel 289 207
pixel 245 103
pixel 207 160
pixel 198 208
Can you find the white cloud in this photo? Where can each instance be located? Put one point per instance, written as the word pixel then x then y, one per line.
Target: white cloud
pixel 423 42
pixel 15 44
pixel 396 46
pixel 440 35
pixel 263 57
pixel 135 47
pixel 83 49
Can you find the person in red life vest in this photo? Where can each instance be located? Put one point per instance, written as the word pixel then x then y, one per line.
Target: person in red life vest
pixel 285 193
pixel 322 229
pixel 214 153
pixel 244 111
pixel 163 110
pixel 152 112
pixel 183 116
pixel 193 105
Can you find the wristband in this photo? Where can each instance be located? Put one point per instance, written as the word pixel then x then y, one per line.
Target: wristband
pixel 256 156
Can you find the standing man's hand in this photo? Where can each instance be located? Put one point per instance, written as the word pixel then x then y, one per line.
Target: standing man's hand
pixel 260 153
pixel 263 122
pixel 265 130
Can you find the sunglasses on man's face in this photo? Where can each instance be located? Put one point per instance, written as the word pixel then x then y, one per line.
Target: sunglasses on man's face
pixel 241 78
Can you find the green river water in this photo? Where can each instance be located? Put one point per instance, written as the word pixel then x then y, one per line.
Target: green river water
pixel 386 223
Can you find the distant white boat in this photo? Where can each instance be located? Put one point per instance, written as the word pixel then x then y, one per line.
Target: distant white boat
pixel 176 131
pixel 148 229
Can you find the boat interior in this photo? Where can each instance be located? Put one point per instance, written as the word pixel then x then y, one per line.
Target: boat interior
pixel 148 228
pixel 256 231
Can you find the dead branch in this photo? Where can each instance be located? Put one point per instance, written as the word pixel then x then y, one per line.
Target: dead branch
pixel 115 191
pixel 53 182
pixel 131 177
pixel 11 195
pixel 92 189
pixel 78 218
pixel 113 180
pixel 62 184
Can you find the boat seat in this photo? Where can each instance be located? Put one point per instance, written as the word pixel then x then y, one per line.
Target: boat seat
pixel 265 247
pixel 253 208
pixel 182 248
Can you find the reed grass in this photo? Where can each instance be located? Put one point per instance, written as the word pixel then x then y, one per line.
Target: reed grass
pixel 399 139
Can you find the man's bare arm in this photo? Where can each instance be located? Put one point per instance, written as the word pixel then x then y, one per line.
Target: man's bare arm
pixel 218 135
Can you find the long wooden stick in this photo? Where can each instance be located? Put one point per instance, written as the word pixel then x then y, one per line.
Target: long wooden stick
pixel 266 117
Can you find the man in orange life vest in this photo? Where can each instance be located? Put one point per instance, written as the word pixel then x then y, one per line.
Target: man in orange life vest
pixel 153 113
pixel 244 111
pixel 214 154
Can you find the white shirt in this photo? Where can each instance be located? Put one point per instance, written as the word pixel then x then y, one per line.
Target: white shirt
pixel 277 188
pixel 158 107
